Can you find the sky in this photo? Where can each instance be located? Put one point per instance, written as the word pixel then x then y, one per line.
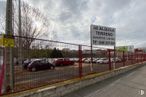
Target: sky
pixel 70 20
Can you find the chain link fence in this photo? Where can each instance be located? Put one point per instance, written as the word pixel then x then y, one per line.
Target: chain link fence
pixel 39 62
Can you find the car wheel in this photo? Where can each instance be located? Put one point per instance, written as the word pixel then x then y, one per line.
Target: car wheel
pixel 52 67
pixel 33 69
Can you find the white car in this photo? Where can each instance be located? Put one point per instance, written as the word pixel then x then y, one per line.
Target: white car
pixel 95 60
pixel 76 59
pixel 83 59
pixel 117 59
pixel 88 60
pixel 100 60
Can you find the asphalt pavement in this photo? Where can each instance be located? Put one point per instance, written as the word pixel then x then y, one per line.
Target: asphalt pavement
pixel 25 79
pixel 130 84
pixel 65 72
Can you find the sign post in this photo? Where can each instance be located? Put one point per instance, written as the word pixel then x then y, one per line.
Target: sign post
pixel 91 66
pixel 102 35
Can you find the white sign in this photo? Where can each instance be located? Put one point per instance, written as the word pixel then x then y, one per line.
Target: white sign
pixel 101 35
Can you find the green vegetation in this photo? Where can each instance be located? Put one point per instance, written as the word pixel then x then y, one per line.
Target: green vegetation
pixel 56 53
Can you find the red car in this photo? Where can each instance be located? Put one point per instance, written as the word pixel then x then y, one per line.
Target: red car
pixel 63 62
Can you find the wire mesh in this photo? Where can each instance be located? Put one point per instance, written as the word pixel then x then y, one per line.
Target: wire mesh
pixel 58 62
pixel 41 62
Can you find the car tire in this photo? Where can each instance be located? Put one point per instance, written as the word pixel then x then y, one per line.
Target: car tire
pixel 52 67
pixel 33 69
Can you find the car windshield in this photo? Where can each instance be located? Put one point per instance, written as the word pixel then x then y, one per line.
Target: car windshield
pixel 35 62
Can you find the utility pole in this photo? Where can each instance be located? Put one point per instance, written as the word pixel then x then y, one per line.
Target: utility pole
pixel 8 79
pixel 20 34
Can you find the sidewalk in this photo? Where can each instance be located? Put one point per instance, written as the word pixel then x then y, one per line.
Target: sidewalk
pixel 131 84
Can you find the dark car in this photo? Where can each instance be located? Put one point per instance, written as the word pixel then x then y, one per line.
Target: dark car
pixel 25 64
pixel 40 65
pixel 63 62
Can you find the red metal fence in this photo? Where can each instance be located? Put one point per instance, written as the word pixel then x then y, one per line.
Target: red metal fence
pixel 75 61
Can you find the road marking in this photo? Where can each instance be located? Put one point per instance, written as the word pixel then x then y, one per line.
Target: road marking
pixel 44 89
pixel 141 92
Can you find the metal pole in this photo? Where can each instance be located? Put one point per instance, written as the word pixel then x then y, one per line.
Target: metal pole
pixel 80 61
pixel 11 70
pixel 11 56
pixel 144 57
pixel 9 61
pixel 123 58
pixel 20 34
pixel 109 56
pixel 135 56
pixel 141 56
pixel 91 49
pixel 114 64
pixel 3 90
pixel 131 58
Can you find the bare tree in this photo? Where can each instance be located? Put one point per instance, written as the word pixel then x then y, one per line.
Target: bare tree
pixel 2 24
pixel 34 24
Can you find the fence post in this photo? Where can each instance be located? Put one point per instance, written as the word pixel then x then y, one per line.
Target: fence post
pixel 109 56
pixel 135 54
pixel 135 60
pixel 123 58
pixel 132 58
pixel 137 57
pixel 80 61
pixel 142 57
pixel 2 72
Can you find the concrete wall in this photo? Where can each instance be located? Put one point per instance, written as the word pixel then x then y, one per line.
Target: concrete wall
pixel 60 89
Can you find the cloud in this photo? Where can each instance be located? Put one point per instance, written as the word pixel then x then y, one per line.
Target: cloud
pixel 71 19
pixel 2 14
pixel 2 7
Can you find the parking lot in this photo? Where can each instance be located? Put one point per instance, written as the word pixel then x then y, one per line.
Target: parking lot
pixel 25 79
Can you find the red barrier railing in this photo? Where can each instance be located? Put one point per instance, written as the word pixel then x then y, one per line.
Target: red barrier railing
pixel 103 60
pixel 2 78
